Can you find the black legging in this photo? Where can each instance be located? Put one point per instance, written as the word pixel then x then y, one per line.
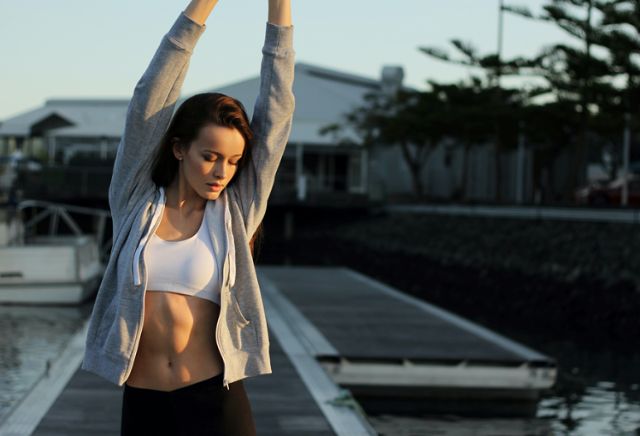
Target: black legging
pixel 193 410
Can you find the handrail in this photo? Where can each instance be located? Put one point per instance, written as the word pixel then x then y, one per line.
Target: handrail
pixel 55 212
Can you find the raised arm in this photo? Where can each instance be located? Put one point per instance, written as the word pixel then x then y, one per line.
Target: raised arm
pixel 272 116
pixel 152 106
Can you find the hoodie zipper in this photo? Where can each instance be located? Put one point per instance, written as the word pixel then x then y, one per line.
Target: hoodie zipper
pixel 138 281
pixel 224 364
pixel 225 382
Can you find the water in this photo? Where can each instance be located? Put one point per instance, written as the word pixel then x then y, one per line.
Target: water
pixel 597 393
pixel 32 335
pixel 602 410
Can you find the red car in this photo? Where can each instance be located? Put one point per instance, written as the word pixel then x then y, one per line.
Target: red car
pixel 609 193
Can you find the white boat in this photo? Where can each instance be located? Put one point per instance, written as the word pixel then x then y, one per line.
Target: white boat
pixel 47 269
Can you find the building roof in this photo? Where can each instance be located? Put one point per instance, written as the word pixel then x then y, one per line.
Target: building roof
pixel 323 96
pixel 71 118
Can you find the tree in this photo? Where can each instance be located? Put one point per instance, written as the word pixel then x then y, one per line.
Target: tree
pixel 621 36
pixel 495 99
pixel 574 74
pixel 417 121
pixel 411 120
pixel 469 111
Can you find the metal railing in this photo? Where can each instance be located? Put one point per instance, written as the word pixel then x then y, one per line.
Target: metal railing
pixel 55 212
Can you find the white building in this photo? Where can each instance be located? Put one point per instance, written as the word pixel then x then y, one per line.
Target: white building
pixel 314 168
pixel 61 127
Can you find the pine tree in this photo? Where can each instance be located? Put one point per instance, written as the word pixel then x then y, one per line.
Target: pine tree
pixel 494 67
pixel 575 74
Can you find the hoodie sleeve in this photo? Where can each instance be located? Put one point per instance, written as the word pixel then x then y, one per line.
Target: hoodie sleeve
pixel 150 111
pixel 270 123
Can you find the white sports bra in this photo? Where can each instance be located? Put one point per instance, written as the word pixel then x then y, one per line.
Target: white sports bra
pixel 191 266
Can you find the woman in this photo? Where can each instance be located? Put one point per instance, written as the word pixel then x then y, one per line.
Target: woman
pixel 179 319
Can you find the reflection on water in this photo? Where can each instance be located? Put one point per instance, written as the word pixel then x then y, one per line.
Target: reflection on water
pixel 597 394
pixel 389 425
pixel 601 410
pixel 32 335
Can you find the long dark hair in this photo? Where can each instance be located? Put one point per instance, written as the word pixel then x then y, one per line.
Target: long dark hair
pixel 193 114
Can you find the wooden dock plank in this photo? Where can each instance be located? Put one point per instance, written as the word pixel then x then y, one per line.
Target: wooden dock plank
pixel 357 318
pixel 362 322
pixel 280 402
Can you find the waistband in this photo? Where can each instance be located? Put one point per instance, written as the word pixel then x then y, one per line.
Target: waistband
pixel 215 381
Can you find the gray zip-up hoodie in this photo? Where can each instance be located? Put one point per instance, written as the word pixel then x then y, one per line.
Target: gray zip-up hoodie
pixel 137 204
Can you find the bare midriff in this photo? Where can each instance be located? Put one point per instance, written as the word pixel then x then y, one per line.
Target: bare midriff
pixel 178 344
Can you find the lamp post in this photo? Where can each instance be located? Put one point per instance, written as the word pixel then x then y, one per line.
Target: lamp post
pixel 500 32
pixel 625 159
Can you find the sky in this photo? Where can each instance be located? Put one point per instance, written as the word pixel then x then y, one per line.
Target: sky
pixel 88 49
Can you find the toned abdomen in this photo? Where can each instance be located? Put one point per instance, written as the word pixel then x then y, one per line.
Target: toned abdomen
pixel 177 345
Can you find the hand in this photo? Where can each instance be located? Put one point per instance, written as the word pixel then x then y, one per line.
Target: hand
pixel 199 10
pixel 280 12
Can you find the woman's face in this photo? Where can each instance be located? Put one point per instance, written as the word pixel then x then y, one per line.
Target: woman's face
pixel 211 159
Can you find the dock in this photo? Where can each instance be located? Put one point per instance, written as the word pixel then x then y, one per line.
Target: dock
pixel 398 354
pixel 341 343
pixel 280 402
